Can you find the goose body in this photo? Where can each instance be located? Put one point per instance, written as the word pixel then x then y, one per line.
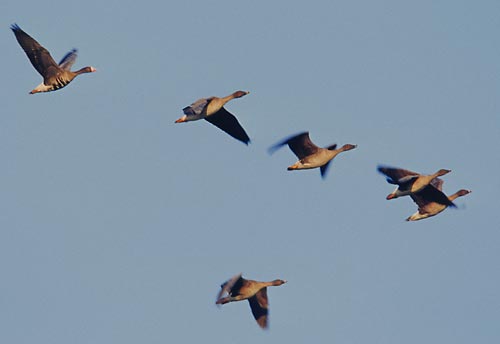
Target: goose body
pixel 239 288
pixel 429 200
pixel 55 76
pixel 212 109
pixel 410 182
pixel 310 155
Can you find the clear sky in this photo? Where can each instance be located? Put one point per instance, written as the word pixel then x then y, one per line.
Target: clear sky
pixel 118 226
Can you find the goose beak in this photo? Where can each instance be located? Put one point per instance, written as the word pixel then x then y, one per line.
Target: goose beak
pixel 390 196
pixel 180 120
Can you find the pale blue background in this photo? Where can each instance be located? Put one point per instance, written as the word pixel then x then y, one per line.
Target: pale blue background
pixel 118 226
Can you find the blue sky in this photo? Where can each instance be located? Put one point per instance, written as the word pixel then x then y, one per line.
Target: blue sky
pixel 118 226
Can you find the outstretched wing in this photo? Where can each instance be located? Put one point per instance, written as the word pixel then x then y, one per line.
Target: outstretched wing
pixel 39 56
pixel 68 60
pixel 430 194
pixel 300 144
pixel 323 169
pixel 234 283
pixel 259 306
pixel 225 121
pixel 397 175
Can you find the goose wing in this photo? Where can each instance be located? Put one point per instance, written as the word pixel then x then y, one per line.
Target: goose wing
pixel 68 60
pixel 231 286
pixel 323 169
pixel 431 194
pixel 397 175
pixel 300 144
pixel 437 183
pixel 39 56
pixel 259 306
pixel 225 121
pixel 197 107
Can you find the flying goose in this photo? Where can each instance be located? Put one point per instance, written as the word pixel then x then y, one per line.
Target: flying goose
pixel 55 76
pixel 310 155
pixel 426 199
pixel 410 182
pixel 212 110
pixel 239 288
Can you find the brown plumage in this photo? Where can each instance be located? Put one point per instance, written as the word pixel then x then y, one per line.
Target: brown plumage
pixel 409 182
pixel 427 200
pixel 212 110
pixel 310 155
pixel 55 76
pixel 239 288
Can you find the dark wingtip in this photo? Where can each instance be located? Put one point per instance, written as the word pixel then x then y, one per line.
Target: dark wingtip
pixel 273 148
pixel 323 169
pixel 277 146
pixel 263 324
pixel 14 27
pixel 391 181
pixel 382 169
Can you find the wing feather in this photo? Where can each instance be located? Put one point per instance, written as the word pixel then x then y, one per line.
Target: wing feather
pixel 300 144
pixel 231 285
pixel 323 169
pixel 68 60
pixel 197 107
pixel 259 307
pixel 39 56
pixel 430 194
pixel 396 174
pixel 225 121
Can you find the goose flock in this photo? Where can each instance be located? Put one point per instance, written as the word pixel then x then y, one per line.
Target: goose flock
pixel 425 190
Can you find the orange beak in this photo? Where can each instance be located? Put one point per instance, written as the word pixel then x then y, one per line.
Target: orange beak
pixel 180 120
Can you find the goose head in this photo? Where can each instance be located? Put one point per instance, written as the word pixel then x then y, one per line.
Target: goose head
pixel 442 172
pixel 348 146
pixel 88 69
pixel 239 94
pixel 463 192
pixel 278 282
